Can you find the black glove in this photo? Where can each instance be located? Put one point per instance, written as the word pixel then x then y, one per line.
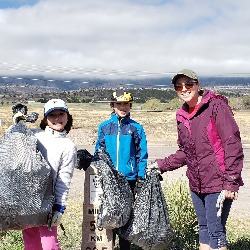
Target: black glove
pixel 84 159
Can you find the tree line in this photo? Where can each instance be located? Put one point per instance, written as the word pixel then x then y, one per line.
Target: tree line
pixel 152 98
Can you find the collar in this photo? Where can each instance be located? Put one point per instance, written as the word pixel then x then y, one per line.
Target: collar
pixel 206 98
pixel 55 133
pixel 117 119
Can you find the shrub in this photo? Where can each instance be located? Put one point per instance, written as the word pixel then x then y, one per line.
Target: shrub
pixel 153 104
pixel 174 104
pixel 182 215
pixel 236 103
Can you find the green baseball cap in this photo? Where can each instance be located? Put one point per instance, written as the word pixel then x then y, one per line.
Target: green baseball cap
pixel 185 72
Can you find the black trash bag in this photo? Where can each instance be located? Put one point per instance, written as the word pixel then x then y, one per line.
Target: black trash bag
pixel 32 117
pixel 19 107
pixel 84 159
pixel 116 201
pixel 149 226
pixel 26 185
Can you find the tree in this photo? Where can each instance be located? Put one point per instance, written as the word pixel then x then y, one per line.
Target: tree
pixel 153 104
pixel 174 104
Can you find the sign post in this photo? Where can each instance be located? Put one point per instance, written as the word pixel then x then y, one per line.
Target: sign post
pixel 93 238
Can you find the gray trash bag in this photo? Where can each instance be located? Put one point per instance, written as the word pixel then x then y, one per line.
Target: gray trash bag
pixel 117 198
pixel 149 226
pixel 26 196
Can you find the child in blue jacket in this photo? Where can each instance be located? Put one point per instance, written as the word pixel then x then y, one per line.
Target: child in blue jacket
pixel 125 141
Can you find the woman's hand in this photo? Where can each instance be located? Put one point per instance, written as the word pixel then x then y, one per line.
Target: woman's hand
pixel 231 195
pixel 225 194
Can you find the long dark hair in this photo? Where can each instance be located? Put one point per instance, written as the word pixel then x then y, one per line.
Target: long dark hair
pixel 67 127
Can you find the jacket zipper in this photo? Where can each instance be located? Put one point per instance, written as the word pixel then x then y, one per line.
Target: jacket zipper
pixel 117 145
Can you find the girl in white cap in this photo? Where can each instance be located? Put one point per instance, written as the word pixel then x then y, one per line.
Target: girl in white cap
pixel 60 152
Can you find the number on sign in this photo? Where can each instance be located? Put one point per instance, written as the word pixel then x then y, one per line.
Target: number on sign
pixel 93 226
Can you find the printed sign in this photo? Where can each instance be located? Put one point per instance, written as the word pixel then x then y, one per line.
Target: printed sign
pixel 95 189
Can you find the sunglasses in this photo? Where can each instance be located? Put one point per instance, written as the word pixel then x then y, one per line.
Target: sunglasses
pixel 188 85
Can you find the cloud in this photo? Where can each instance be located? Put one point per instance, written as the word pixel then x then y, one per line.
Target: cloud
pixel 210 37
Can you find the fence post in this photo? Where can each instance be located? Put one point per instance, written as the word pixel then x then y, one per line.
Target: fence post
pixel 93 238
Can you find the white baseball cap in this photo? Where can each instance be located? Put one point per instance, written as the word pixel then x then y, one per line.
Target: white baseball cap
pixel 54 104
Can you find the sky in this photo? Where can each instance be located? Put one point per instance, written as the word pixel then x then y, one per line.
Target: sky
pixel 125 37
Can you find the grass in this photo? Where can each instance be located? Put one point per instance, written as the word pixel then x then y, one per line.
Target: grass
pixel 182 219
pixel 160 127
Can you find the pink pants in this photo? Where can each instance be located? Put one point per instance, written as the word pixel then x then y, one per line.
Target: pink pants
pixel 40 238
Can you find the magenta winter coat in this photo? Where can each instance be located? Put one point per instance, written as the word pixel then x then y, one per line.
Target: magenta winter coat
pixel 210 146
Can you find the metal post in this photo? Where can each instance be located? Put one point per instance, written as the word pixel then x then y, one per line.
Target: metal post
pixel 93 238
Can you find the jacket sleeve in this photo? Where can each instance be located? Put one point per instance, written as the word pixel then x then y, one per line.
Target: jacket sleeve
pixel 142 154
pixel 100 142
pixel 64 176
pixel 229 133
pixel 173 161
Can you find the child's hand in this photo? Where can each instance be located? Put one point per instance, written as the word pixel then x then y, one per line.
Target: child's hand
pixel 56 219
pixel 57 213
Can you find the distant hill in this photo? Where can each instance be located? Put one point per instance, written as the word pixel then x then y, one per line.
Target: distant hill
pixel 41 83
pixel 41 89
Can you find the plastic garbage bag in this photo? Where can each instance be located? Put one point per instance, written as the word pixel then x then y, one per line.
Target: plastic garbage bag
pixel 117 198
pixel 149 226
pixel 26 196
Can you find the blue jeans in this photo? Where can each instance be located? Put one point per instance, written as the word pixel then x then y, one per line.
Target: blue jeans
pixel 212 229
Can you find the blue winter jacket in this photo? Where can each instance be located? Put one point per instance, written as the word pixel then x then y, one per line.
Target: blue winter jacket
pixel 125 141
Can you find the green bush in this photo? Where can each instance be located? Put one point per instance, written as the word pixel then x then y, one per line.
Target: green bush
pixel 153 104
pixel 174 104
pixel 182 215
pixel 246 101
pixel 236 103
pixel 185 224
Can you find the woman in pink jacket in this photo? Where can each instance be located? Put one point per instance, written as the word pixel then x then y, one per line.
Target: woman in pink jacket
pixel 210 145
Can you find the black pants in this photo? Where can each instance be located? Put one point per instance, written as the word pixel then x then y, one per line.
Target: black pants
pixel 125 244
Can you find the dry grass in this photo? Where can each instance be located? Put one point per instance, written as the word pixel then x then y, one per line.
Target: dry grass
pixel 160 127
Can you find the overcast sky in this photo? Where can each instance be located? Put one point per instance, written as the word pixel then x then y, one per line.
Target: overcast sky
pixel 211 37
